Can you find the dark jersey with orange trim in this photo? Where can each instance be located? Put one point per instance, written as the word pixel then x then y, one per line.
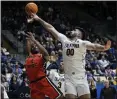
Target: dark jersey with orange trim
pixel 34 67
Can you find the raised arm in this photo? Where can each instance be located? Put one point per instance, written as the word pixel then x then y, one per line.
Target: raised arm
pixel 97 47
pixel 41 48
pixel 48 27
pixel 29 46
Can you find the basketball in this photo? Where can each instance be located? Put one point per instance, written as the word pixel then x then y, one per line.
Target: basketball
pixel 31 8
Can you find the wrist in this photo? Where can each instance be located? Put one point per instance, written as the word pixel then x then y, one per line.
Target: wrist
pixel 106 48
pixel 38 18
pixel 34 40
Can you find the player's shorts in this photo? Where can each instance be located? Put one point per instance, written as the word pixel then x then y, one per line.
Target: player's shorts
pixel 43 87
pixel 77 86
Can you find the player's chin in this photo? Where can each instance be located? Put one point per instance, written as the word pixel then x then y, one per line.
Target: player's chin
pixel 73 36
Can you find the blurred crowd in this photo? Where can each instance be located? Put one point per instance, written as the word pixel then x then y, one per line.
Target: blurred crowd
pixel 103 10
pixel 98 64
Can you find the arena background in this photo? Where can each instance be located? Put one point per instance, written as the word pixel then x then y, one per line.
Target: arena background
pixel 98 19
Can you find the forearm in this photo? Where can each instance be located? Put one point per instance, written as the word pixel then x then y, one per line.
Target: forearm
pixel 99 47
pixel 45 24
pixel 41 48
pixel 28 46
pixel 48 27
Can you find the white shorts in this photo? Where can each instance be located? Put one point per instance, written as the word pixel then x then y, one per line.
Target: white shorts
pixel 77 87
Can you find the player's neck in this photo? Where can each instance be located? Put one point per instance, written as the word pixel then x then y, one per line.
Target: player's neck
pixel 75 38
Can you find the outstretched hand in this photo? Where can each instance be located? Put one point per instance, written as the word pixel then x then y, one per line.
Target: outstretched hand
pixel 108 45
pixel 32 18
pixel 30 36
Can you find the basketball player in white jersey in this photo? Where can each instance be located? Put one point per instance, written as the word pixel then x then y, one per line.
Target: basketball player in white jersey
pixel 74 50
pixel 57 77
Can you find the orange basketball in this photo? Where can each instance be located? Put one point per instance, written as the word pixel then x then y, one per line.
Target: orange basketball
pixel 31 8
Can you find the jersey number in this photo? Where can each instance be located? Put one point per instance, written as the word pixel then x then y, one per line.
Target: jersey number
pixel 59 84
pixel 70 52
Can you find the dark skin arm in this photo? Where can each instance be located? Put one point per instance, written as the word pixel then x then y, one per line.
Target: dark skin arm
pixel 29 46
pixel 42 50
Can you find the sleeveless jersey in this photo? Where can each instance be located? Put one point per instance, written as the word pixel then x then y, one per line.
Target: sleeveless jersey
pixel 34 67
pixel 73 55
pixel 58 80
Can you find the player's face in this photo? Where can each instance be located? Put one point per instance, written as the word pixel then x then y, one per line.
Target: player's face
pixel 75 33
pixel 34 49
pixel 78 33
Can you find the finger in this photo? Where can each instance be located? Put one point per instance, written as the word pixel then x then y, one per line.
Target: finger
pixel 28 38
pixel 30 34
pixel 30 20
pixel 33 14
pixel 27 34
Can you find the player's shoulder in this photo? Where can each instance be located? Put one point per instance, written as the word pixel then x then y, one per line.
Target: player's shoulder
pixel 80 41
pixel 83 42
pixel 62 37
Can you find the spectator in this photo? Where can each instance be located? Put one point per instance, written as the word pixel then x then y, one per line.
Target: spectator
pixel 53 64
pixel 98 80
pixel 108 92
pixel 109 72
pixel 17 70
pixel 110 79
pixel 103 62
pixel 14 85
pixel 115 81
pixel 93 90
pixel 59 57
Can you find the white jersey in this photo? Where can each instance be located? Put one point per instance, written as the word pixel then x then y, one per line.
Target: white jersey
pixel 73 55
pixel 58 80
